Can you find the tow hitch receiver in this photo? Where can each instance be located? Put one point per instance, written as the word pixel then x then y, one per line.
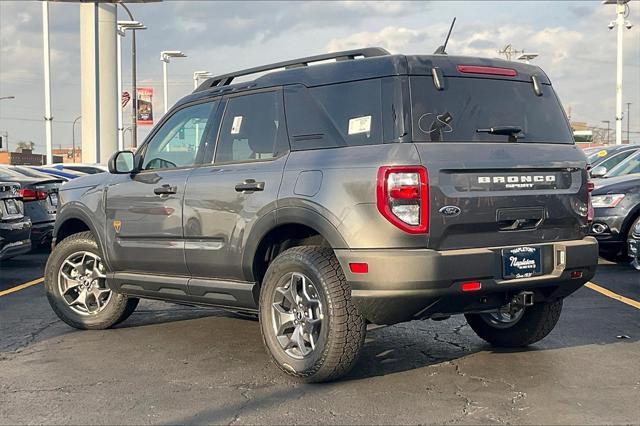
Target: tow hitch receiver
pixel 521 300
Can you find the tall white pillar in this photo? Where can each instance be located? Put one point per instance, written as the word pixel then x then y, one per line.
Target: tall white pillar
pixel 620 8
pixel 99 86
pixel 47 81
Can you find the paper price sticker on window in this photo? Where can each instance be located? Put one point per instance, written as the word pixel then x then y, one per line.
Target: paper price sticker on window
pixel 360 125
pixel 235 126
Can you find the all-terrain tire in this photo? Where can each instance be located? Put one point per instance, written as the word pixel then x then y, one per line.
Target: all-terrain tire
pixel 535 324
pixel 118 308
pixel 343 328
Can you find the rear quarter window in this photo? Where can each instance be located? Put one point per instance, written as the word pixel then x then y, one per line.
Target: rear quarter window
pixel 345 114
pixel 467 104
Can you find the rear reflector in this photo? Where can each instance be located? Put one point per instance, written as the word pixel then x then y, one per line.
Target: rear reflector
pixel 359 268
pixel 474 69
pixel 471 286
pixel 576 274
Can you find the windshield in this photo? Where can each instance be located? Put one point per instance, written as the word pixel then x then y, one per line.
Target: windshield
pixel 628 166
pixel 467 105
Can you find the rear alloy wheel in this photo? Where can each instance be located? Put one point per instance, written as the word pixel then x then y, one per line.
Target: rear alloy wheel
pixel 297 315
pixel 75 280
pixel 309 324
pixel 520 328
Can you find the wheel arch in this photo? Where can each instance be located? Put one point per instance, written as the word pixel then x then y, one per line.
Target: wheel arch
pixel 72 221
pixel 289 227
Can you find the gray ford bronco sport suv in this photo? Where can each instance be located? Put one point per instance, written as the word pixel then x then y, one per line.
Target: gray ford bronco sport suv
pixel 369 187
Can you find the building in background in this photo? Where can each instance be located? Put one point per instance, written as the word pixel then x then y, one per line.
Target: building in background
pixel 26 157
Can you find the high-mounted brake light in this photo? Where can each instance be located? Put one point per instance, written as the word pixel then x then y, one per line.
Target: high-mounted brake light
pixel 475 69
pixel 32 194
pixel 403 197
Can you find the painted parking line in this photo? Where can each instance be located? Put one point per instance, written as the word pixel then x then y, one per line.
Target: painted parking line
pixel 611 294
pixel 21 286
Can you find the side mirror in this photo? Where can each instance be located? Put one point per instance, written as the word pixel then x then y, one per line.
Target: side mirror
pixel 121 163
pixel 598 172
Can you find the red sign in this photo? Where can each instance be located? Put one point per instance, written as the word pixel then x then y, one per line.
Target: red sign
pixel 145 105
pixel 126 97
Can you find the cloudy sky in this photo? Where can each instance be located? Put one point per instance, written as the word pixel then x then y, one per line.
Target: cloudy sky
pixel 576 49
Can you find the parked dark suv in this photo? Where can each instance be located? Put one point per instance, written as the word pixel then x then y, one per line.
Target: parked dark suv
pixel 373 188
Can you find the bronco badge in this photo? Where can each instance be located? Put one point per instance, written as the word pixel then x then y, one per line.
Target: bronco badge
pixel 117 225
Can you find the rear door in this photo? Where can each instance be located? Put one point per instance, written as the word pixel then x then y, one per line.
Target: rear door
pixel 144 210
pixel 520 188
pixel 225 199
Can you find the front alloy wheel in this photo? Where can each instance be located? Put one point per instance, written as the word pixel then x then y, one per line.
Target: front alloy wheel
pixel 82 284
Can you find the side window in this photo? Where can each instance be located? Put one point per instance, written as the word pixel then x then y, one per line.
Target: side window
pixel 610 163
pixel 252 129
pixel 176 143
pixel 345 114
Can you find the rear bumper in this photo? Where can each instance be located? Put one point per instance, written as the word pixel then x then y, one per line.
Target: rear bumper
pixel 407 284
pixel 14 238
pixel 41 233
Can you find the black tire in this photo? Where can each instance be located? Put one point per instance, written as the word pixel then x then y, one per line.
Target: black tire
pixel 118 308
pixel 534 325
pixel 342 330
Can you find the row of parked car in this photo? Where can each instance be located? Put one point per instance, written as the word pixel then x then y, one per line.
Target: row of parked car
pixel 615 173
pixel 28 204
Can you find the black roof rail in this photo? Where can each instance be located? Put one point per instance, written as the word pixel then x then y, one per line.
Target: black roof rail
pixel 226 79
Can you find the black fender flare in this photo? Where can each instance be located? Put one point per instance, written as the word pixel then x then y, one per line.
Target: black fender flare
pixel 77 212
pixel 283 216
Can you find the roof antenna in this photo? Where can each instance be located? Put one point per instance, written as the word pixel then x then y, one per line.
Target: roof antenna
pixel 442 49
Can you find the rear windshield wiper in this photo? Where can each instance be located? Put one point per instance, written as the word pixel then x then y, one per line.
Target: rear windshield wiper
pixel 514 132
pixel 501 130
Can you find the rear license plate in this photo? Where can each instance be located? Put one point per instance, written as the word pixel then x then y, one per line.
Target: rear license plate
pixel 11 207
pixel 53 198
pixel 521 262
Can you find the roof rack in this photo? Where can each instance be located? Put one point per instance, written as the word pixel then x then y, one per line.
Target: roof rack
pixel 226 79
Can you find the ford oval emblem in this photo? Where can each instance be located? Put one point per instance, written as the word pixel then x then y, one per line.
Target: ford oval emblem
pixel 450 211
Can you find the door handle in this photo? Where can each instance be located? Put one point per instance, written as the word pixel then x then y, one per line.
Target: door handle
pixel 165 190
pixel 250 185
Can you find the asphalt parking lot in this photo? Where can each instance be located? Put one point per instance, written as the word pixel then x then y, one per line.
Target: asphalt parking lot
pixel 176 364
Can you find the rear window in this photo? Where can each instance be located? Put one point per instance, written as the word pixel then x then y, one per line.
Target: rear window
pixel 467 104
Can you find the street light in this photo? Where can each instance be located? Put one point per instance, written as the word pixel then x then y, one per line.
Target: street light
pixel 6 97
pixel 165 57
pixel 528 57
pixel 122 27
pixel 622 11
pixel 608 127
pixel 197 75
pixel 134 84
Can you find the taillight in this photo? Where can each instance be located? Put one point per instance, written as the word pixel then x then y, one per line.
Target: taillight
pixel 32 194
pixel 475 69
pixel 403 197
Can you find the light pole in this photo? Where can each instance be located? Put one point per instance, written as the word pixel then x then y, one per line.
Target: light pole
pixel 122 27
pixel 165 57
pixel 608 128
pixel 47 80
pixel 73 137
pixel 197 75
pixel 134 87
pixel 622 11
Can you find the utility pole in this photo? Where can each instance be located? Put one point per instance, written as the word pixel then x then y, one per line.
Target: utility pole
pixel 47 80
pixel 622 11
pixel 73 138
